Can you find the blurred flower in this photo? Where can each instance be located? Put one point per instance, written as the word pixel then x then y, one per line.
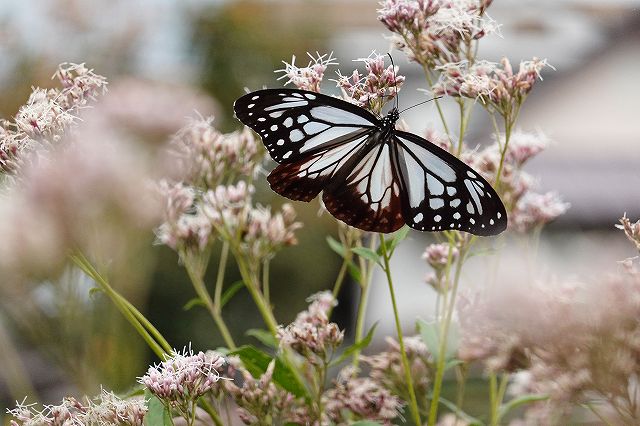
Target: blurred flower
pixel 437 256
pixel 451 419
pixel 374 89
pixel 47 114
pixel 311 334
pixel 435 32
pixel 534 210
pixel 207 158
pixel 309 77
pixel 386 367
pixel 363 397
pixel 494 85
pixel 576 341
pixel 107 409
pixel 183 378
pixel 91 195
pixel 631 230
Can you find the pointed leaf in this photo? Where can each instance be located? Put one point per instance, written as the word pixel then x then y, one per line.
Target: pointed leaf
pixel 336 246
pixel 430 333
pixel 355 273
pixel 472 421
pixel 196 301
pixel 230 292
pixel 263 336
pixel 256 363
pixel 158 414
pixel 516 402
pixel 400 235
pixel 357 346
pixel 366 253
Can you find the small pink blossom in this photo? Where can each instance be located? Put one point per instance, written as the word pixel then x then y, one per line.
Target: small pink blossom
pixel 631 230
pixel 309 77
pixel 534 210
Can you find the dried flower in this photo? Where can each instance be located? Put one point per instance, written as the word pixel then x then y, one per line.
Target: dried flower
pixel 631 230
pixel 364 398
pixel 47 114
pixel 311 334
pixel 309 77
pixel 374 89
pixel 105 410
pixel 183 378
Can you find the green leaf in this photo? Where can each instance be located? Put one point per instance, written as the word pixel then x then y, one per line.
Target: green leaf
pixel 472 421
pixel 357 346
pixel 516 402
pixel 230 292
pixel 430 333
pixel 453 363
pixel 137 390
pixel 355 273
pixel 256 363
pixel 366 253
pixel 196 301
pixel 400 235
pixel 158 414
pixel 263 336
pixel 366 423
pixel 337 246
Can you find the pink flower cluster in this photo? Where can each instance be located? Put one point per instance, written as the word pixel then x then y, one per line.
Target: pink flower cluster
pixel 438 256
pixel 436 32
pixel 309 77
pixel 183 377
pixel 311 334
pixel 371 91
pixel 208 158
pixel 361 397
pixel 107 409
pixel 496 86
pixel 527 209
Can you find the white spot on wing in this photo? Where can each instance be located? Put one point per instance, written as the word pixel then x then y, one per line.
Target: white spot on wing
pixel 455 203
pixel 275 114
pixel 417 218
pixel 312 128
pixel 474 195
pixel 287 105
pixel 435 186
pixel 437 218
pixel 338 116
pixel 309 96
pixel 436 203
pixel 296 135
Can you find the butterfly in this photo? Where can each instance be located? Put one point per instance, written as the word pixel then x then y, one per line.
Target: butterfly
pixel 373 177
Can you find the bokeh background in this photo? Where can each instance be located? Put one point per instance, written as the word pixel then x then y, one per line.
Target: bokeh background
pixel 171 59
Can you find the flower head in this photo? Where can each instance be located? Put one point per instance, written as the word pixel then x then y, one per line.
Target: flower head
pixel 183 377
pixel 372 90
pixel 631 230
pixel 309 77
pixel 534 210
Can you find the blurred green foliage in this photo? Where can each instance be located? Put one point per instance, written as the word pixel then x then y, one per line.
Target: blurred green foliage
pixel 241 43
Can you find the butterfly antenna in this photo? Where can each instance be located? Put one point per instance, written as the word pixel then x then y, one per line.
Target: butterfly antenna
pixel 420 103
pixel 395 80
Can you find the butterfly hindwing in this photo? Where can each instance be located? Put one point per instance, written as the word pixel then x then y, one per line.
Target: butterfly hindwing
pixel 367 193
pixel 295 123
pixel 444 193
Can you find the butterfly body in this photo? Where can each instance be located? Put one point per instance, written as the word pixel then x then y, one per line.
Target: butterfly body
pixel 372 176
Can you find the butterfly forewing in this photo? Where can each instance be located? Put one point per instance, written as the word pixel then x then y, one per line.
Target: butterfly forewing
pixel 294 123
pixel 444 193
pixel 367 193
pixel 303 180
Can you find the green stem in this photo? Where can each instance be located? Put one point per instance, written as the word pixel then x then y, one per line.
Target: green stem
pixel 337 286
pixel 265 281
pixel 427 74
pixel 202 292
pixel 450 306
pixel 365 285
pixel 413 403
pixel 464 122
pixel 85 265
pixel 211 412
pixel 222 267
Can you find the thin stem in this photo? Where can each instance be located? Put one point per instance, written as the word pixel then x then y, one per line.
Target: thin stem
pixel 252 284
pixel 211 412
pixel 413 403
pixel 337 286
pixel 265 281
pixel 450 306
pixel 427 74
pixel 365 285
pixel 85 265
pixel 598 415
pixel 202 292
pixel 461 377
pixel 222 267
pixel 464 122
